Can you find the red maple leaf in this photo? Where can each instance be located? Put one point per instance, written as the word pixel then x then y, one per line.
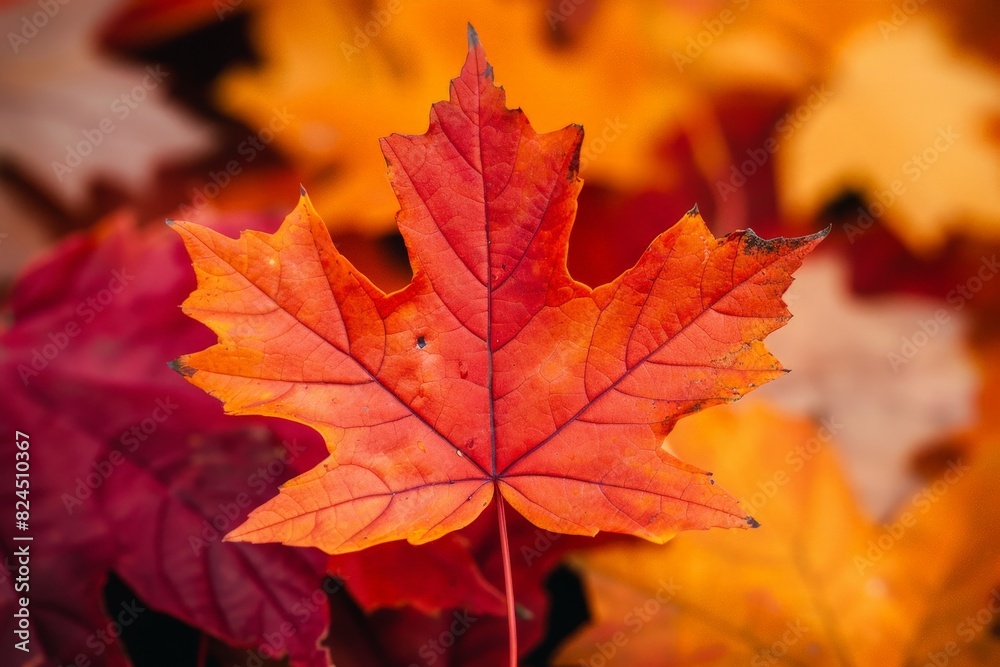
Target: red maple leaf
pixel 493 373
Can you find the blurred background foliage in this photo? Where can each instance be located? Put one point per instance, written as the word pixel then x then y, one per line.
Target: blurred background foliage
pixel 877 118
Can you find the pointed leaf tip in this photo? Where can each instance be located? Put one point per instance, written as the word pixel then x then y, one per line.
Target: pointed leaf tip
pixel 694 211
pixel 170 223
pixel 752 522
pixel 473 36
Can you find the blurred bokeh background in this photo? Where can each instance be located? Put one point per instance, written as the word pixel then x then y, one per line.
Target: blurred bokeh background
pixel 872 461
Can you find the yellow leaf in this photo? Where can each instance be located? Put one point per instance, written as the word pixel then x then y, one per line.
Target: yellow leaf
pixel 907 123
pixel 818 583
pixel 347 76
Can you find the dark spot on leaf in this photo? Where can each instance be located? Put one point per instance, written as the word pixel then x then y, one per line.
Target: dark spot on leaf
pixel 421 343
pixel 179 366
pixel 574 162
pixel 753 244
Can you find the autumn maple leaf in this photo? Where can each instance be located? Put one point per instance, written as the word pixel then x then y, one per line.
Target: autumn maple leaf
pixel 493 371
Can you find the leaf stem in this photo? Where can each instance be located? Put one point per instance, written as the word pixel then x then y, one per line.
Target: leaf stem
pixel 507 580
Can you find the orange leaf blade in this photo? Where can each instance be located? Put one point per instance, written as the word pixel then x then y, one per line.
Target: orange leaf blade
pixel 493 368
pixel 288 348
pixel 679 332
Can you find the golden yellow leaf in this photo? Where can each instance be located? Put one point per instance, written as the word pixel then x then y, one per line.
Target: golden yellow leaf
pixel 907 123
pixel 787 46
pixel 818 583
pixel 348 75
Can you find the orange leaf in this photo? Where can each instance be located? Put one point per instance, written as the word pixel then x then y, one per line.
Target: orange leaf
pixel 493 370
